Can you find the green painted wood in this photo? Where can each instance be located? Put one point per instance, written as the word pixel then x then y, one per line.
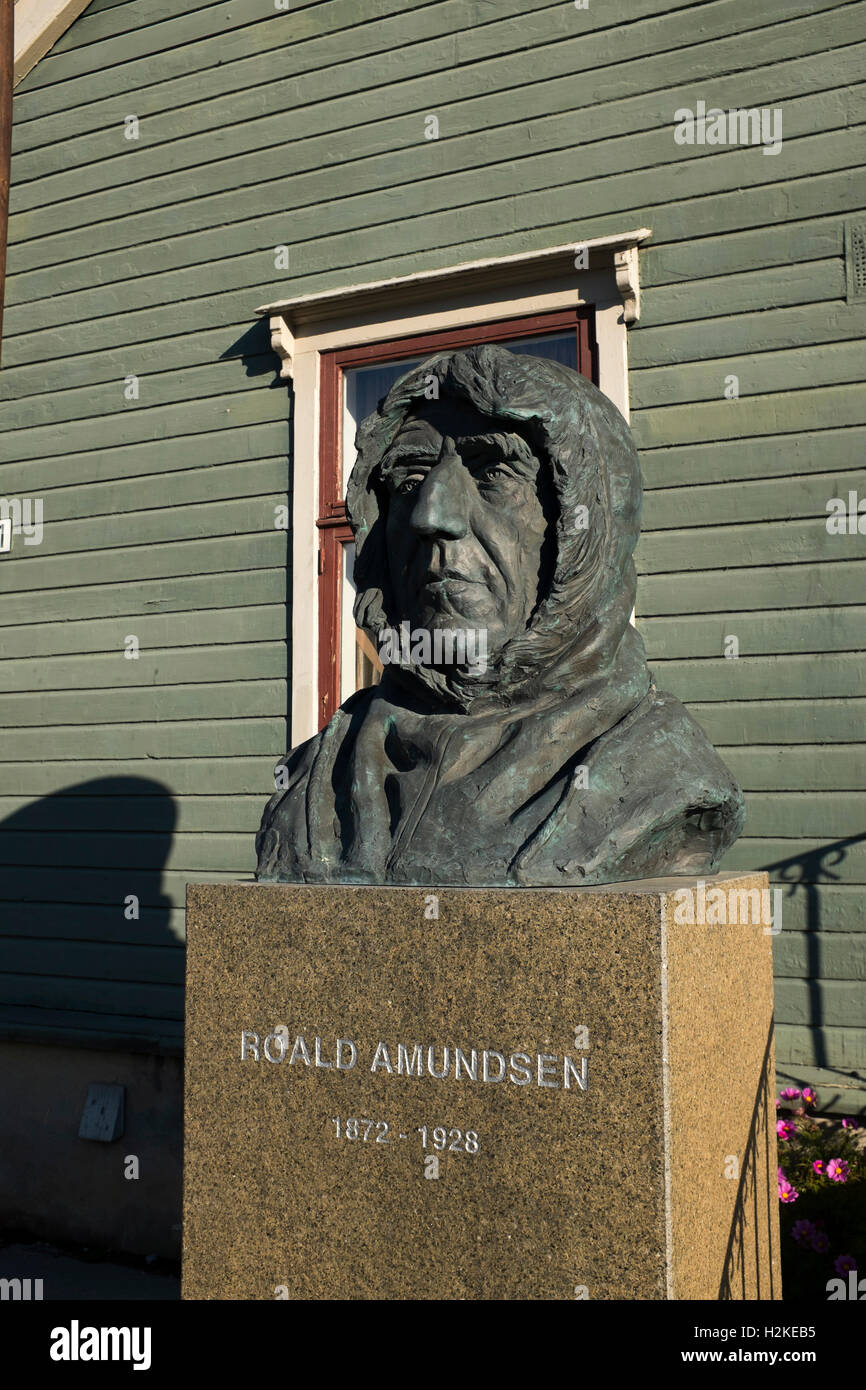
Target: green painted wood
pixel 771 542
pixel 238 699
pixel 762 677
pixel 758 634
pixel 821 1003
pixel 774 413
pixel 83 887
pixel 750 852
pixel 53 992
pixel 158 669
pixel 181 739
pixel 820 956
pixel 361 153
pixel 839 1093
pixel 133 812
pixel 219 773
pixel 81 960
pixel 226 554
pixel 836 1048
pixel 756 373
pixel 160 388
pixel 222 626
pixel 94 922
pixel 239 588
pixel 266 439
pixel 793 721
pixel 75 1027
pixel 465 201
pixel 810 814
pixel 763 329
pixel 256 516
pixel 218 482
pixel 674 221
pixel 213 852
pixel 756 587
pixel 783 768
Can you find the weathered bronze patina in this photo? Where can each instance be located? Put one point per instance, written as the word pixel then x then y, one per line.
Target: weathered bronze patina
pixel 496 502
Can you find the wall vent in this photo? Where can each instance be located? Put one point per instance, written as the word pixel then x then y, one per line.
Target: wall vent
pixel 855 260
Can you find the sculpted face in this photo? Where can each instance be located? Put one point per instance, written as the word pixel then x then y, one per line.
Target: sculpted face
pixel 468 513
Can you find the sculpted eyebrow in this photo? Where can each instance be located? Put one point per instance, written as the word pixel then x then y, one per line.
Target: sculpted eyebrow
pixel 408 453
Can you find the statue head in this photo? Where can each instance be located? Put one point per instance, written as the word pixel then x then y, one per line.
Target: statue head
pixel 497 493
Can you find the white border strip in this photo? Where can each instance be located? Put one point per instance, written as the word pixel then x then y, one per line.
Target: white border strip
pixel 666 1093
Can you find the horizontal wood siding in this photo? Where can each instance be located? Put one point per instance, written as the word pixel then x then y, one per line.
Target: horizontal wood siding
pixel 261 128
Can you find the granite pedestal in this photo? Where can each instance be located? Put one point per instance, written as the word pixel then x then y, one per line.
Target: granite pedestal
pixel 480 1094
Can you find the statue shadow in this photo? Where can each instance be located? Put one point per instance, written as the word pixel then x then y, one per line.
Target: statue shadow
pixel 86 939
pixel 752 1256
pixel 807 872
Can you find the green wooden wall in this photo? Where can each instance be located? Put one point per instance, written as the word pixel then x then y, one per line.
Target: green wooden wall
pixel 146 257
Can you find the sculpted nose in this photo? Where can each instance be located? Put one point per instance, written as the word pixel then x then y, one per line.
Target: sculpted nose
pixel 442 503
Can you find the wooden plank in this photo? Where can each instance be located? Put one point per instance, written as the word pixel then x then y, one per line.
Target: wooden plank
pixel 820 955
pixel 756 373
pixel 222 626
pixel 222 555
pixel 70 960
pixel 841 1049
pixel 818 238
pixel 823 907
pixel 782 768
pixel 761 329
pixel 809 814
pixel 753 588
pixel 209 853
pixel 216 773
pixel 131 812
pixel 758 634
pixel 114 1032
pixel 763 677
pixel 159 670
pixel 255 516
pixel 819 1003
pixel 784 412
pixel 772 542
pixel 157 389
pixel 249 55
pixel 239 699
pixel 238 588
pixel 218 482
pixel 848 860
pixel 839 1093
pixel 53 992
pixel 377 218
pixel 783 721
pixel 330 143
pixel 219 738
pixel 95 922
pixel 73 885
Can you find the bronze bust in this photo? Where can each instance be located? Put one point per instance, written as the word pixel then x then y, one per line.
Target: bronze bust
pixel 516 737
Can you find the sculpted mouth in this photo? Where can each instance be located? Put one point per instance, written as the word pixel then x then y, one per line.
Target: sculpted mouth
pixel 437 579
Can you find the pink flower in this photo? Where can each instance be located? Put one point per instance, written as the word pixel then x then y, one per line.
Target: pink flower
pixel 785 1129
pixel 809 1096
pixel 790 1093
pixel 818 1167
pixel 787 1193
pixel 803 1232
pixel 837 1170
pixel 778 1102
pixel 844 1263
pixel 849 1124
pixel 820 1242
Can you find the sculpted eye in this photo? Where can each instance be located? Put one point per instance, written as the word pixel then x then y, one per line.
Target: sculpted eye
pixel 410 484
pixel 494 471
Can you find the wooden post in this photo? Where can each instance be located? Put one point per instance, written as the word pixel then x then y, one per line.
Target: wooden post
pixel 7 51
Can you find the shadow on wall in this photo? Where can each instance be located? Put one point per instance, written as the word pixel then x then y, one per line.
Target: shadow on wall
pixel 808 872
pixel 86 939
